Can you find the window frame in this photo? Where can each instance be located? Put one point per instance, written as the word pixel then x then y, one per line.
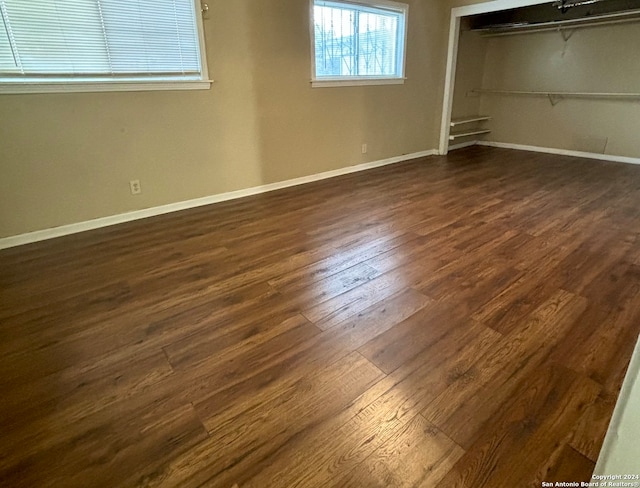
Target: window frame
pixel 352 80
pixel 67 85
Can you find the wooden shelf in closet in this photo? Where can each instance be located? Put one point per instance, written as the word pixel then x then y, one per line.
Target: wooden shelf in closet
pixel 457 135
pixel 469 120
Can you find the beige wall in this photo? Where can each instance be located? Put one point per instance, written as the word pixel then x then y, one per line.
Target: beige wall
pixel 472 51
pixel 67 158
pixel 596 59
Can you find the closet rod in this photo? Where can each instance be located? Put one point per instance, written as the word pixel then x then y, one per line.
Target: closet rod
pixel 560 94
pixel 609 19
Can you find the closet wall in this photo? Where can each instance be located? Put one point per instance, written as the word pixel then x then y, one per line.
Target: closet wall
pixel 593 59
pixel 472 51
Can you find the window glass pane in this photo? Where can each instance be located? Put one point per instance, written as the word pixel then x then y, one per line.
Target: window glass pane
pixel 334 41
pixel 357 40
pixel 57 36
pixel 377 36
pixel 151 36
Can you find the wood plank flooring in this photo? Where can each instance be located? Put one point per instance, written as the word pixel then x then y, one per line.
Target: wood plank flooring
pixel 449 321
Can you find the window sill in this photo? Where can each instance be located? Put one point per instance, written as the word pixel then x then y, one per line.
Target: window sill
pixel 357 82
pixel 90 87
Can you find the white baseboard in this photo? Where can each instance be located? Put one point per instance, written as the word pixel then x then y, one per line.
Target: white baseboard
pixel 64 230
pixel 461 145
pixel 563 152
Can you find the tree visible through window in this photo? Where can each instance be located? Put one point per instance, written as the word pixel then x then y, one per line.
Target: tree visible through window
pixel 353 40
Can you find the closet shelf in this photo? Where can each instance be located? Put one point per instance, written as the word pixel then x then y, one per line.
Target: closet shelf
pixel 561 94
pixel 456 135
pixel 592 21
pixel 470 119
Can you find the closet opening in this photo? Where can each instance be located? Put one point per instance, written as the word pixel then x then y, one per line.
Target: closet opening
pixel 560 76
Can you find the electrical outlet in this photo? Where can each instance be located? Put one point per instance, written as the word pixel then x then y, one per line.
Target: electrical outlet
pixel 364 149
pixel 136 189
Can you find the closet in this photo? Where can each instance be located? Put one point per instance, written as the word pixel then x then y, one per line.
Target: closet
pixel 557 77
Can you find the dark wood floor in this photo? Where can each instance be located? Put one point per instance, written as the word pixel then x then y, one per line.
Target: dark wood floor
pixel 450 321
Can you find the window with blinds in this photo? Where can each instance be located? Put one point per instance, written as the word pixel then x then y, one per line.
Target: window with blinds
pixel 101 42
pixel 358 41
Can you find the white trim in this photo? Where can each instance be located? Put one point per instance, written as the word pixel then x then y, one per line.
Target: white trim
pixel 204 66
pixel 620 442
pixel 92 87
pixel 388 4
pixel 397 7
pixel 562 152
pixel 356 82
pixel 64 230
pixel 404 35
pixel 449 83
pixel 461 145
pixel 312 39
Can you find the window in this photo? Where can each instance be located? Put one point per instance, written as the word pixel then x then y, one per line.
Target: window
pixel 358 42
pixel 96 45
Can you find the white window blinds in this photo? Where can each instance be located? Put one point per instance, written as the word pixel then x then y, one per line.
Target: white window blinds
pixel 99 40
